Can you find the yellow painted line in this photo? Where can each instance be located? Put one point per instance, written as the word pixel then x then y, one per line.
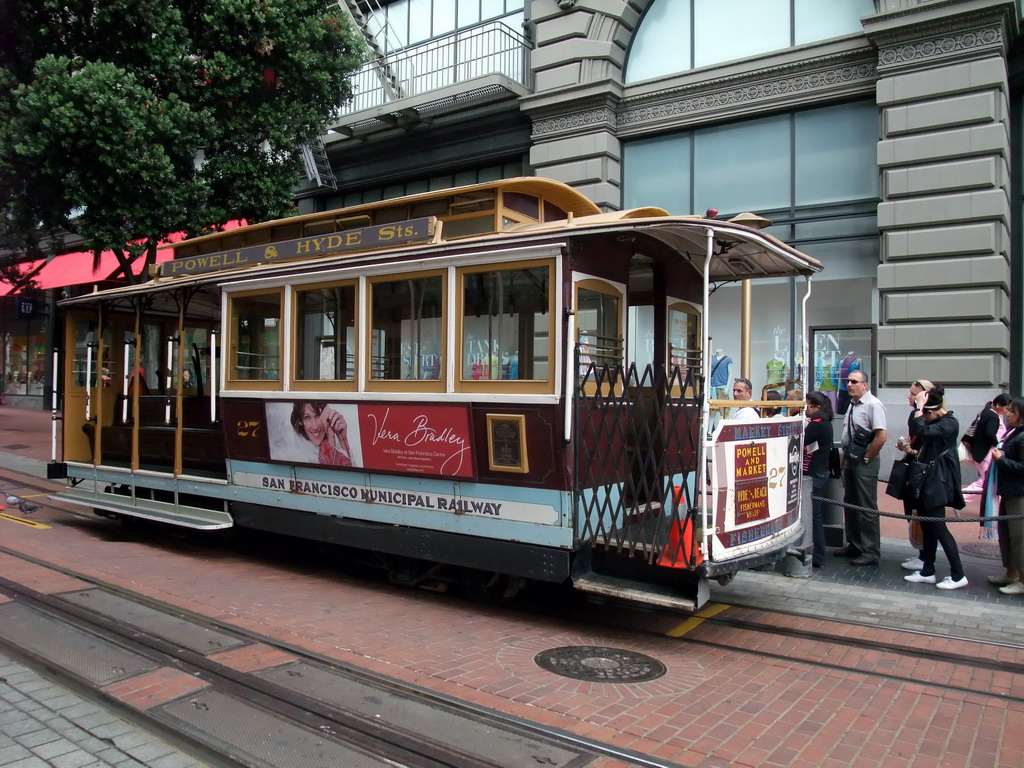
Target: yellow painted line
pixel 35 495
pixel 23 521
pixel 697 619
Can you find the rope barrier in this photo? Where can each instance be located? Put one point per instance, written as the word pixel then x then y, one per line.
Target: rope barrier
pixel 957 518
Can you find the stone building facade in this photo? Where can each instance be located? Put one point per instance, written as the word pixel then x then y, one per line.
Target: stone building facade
pixel 922 255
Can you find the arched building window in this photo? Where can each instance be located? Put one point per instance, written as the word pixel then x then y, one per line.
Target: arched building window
pixel 678 35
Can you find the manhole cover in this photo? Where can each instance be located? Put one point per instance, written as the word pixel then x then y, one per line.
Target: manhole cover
pixel 15 447
pixel 600 665
pixel 981 549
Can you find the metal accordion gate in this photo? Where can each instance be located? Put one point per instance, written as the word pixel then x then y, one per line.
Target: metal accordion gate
pixel 637 448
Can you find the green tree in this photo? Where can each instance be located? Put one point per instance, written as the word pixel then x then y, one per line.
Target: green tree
pixel 122 121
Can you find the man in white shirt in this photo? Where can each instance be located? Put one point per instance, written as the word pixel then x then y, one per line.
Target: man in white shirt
pixel 742 389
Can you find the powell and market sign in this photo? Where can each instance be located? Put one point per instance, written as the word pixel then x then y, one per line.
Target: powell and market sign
pixel 365 238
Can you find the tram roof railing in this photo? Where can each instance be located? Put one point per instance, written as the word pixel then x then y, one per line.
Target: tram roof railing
pixel 740 251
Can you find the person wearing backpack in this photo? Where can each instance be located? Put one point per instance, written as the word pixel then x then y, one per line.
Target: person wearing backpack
pixel 981 437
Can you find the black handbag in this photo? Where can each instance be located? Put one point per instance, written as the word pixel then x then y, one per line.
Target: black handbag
pixel 897 484
pixel 917 475
pixel 835 464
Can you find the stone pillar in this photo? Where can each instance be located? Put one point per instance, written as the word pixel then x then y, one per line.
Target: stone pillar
pixel 944 157
pixel 577 70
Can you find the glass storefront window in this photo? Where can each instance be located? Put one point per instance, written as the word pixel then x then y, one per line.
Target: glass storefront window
pixel 255 337
pixel 505 324
pixel 675 36
pixel 325 333
pixel 25 359
pixel 407 336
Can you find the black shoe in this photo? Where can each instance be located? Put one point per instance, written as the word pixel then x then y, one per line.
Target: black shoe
pixel 818 565
pixel 846 552
pixel 863 560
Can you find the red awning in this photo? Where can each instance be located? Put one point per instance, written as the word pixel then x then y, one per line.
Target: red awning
pixel 27 269
pixel 76 268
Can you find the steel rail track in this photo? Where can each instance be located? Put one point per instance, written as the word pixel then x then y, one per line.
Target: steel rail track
pixel 866 645
pixel 374 736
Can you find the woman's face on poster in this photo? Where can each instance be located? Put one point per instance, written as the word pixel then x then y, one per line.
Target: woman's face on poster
pixel 312 425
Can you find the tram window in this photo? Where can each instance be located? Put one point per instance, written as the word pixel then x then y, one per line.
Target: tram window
pixel 392 214
pixel 407 329
pixel 684 338
pixel 506 316
pixel 255 337
pixel 466 226
pixel 598 325
pixel 436 207
pixel 528 205
pixel 553 213
pixel 325 332
pixel 468 202
pixel 86 336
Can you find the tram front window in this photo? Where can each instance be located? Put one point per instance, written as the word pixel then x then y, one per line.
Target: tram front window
pixel 407 329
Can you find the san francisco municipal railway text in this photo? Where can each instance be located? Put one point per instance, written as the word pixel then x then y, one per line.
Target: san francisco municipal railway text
pixel 378 496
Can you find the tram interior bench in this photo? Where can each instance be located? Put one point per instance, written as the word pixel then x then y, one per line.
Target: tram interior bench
pixel 202 441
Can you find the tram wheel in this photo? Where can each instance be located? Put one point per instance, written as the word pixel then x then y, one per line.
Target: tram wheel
pixel 490 587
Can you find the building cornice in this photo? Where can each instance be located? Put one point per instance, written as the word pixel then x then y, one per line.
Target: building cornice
pixel 769 89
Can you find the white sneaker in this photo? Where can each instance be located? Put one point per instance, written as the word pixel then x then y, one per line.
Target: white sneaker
pixel 917 578
pixel 913 564
pixel 1016 588
pixel 948 583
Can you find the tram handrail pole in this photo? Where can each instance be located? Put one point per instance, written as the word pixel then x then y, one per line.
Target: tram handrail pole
pixel 88 379
pixel 124 384
pixel 167 382
pixel 700 478
pixel 213 376
pixel 53 409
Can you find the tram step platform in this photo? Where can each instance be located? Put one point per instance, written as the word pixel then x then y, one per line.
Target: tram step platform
pixel 644 592
pixel 157 511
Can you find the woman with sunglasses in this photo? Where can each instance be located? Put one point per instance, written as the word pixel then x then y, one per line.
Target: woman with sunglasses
pixel 938 431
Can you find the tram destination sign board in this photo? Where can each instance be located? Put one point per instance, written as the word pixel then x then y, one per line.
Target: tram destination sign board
pixel 361 239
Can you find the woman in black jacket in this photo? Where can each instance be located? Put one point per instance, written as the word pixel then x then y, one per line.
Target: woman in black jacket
pixel 818 438
pixel 938 430
pixel 1009 461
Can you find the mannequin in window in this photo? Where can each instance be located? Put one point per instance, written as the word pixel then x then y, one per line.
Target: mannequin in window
pixel 846 366
pixel 775 370
pixel 826 369
pixel 720 363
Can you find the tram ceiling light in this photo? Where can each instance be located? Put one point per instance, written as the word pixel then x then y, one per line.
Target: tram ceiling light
pixel 751 220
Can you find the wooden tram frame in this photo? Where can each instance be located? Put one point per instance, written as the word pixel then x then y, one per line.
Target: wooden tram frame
pixel 612 452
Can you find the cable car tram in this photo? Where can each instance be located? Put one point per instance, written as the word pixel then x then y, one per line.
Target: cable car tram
pixel 454 381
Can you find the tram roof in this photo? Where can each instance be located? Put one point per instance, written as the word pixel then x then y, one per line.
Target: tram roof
pixel 739 251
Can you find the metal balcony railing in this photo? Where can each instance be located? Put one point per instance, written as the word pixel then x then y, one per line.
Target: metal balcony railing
pixel 490 48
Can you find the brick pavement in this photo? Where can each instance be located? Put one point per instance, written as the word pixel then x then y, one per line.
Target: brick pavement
pixel 715 707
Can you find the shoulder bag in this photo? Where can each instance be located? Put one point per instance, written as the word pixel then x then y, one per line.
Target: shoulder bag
pixel 897 484
pixel 917 474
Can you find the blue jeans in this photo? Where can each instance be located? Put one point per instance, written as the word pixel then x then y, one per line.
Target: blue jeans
pixel 819 483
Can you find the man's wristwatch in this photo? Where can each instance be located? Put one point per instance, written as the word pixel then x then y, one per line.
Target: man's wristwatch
pixel 866 459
